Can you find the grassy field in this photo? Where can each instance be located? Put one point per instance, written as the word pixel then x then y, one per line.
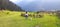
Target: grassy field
pixel 13 19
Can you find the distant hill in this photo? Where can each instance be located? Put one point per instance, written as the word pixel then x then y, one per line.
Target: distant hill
pixel 8 5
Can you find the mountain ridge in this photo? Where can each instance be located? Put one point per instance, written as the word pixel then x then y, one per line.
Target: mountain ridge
pixel 8 5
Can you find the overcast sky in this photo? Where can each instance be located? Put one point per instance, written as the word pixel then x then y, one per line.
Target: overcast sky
pixel 38 4
pixel 35 0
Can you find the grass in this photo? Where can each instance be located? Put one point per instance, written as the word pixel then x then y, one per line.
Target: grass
pixel 13 19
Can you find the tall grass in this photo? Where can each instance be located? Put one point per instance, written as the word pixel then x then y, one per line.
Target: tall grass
pixel 13 19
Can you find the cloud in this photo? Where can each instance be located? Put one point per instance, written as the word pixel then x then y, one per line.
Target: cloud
pixel 16 1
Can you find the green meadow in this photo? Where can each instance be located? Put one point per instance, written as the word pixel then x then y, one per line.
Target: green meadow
pixel 13 19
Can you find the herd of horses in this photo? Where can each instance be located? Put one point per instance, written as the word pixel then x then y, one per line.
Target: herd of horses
pixel 37 14
pixel 32 15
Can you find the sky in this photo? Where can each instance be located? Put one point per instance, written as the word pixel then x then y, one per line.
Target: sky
pixel 37 5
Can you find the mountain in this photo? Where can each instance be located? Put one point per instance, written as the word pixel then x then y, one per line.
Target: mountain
pixel 8 5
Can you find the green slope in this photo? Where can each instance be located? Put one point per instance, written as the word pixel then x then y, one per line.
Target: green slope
pixel 13 19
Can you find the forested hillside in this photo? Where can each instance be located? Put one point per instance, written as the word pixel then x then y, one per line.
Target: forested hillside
pixel 8 5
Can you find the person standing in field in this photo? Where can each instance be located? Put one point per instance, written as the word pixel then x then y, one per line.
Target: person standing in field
pixel 26 15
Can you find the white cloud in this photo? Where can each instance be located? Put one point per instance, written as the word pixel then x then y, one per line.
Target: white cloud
pixel 16 0
pixel 28 1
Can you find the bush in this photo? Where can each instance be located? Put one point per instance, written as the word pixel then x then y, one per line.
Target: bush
pixel 7 12
pixel 22 14
pixel 58 15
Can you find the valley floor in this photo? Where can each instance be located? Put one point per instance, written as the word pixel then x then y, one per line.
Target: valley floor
pixel 13 19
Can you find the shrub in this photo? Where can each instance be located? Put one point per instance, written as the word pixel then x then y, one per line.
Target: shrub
pixel 58 15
